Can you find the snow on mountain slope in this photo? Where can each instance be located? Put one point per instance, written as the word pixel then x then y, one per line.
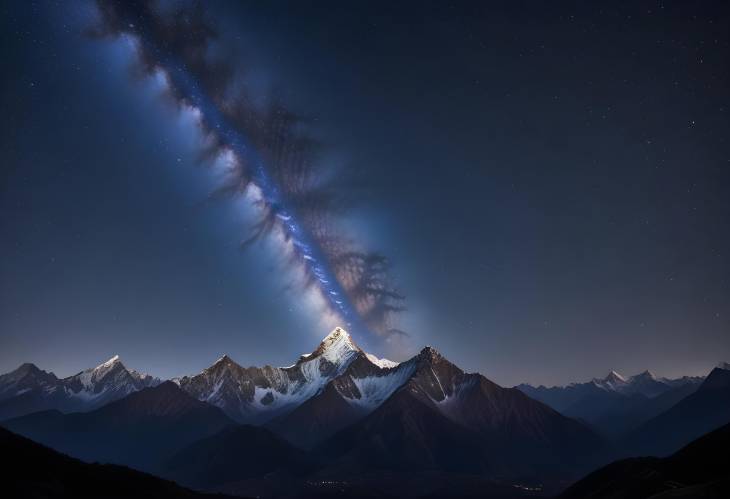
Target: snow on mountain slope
pixel 108 381
pixel 439 415
pixel 644 383
pixel 613 382
pixel 337 348
pixel 384 363
pixel 356 392
pixel 28 389
pixel 250 395
pixel 375 389
pixel 365 384
pixel 256 395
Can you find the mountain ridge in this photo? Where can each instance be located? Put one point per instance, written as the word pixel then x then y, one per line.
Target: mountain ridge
pixel 700 412
pixel 29 389
pixel 138 430
pixel 615 404
pixel 441 416
pixel 356 419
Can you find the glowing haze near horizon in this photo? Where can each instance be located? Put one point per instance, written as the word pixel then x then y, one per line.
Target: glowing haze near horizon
pixel 550 191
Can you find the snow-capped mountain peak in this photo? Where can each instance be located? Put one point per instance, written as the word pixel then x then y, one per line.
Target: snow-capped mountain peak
pixel 109 380
pixel 25 378
pixel 222 363
pixel 223 359
pixel 258 394
pixel 612 382
pixel 87 390
pixel 614 377
pixel 89 377
pixel 383 363
pixel 648 375
pixel 109 363
pixel 644 383
pixel 337 347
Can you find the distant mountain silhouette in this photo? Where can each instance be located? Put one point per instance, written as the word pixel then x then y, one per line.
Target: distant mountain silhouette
pixel 29 389
pixel 33 471
pixel 699 470
pixel 139 430
pixel 700 412
pixel 614 405
pixel 631 411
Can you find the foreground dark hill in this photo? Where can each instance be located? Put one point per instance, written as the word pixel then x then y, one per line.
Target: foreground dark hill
pixel 698 413
pixel 139 430
pixel 252 461
pixel 236 455
pixel 699 470
pixel 442 419
pixel 33 471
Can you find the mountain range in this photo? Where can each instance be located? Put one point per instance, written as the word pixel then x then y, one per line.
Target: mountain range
pixel 702 411
pixel 614 405
pixel 29 389
pixel 442 418
pixel 342 421
pixel 259 394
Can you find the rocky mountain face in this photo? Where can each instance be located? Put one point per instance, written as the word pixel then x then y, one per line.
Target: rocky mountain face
pixel 374 420
pixel 259 394
pixel 442 417
pixel 29 389
pixel 24 379
pixel 357 391
pixel 106 382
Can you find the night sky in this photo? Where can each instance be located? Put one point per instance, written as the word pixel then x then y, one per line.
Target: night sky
pixel 550 182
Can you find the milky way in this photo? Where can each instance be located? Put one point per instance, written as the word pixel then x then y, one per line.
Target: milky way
pixel 268 155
